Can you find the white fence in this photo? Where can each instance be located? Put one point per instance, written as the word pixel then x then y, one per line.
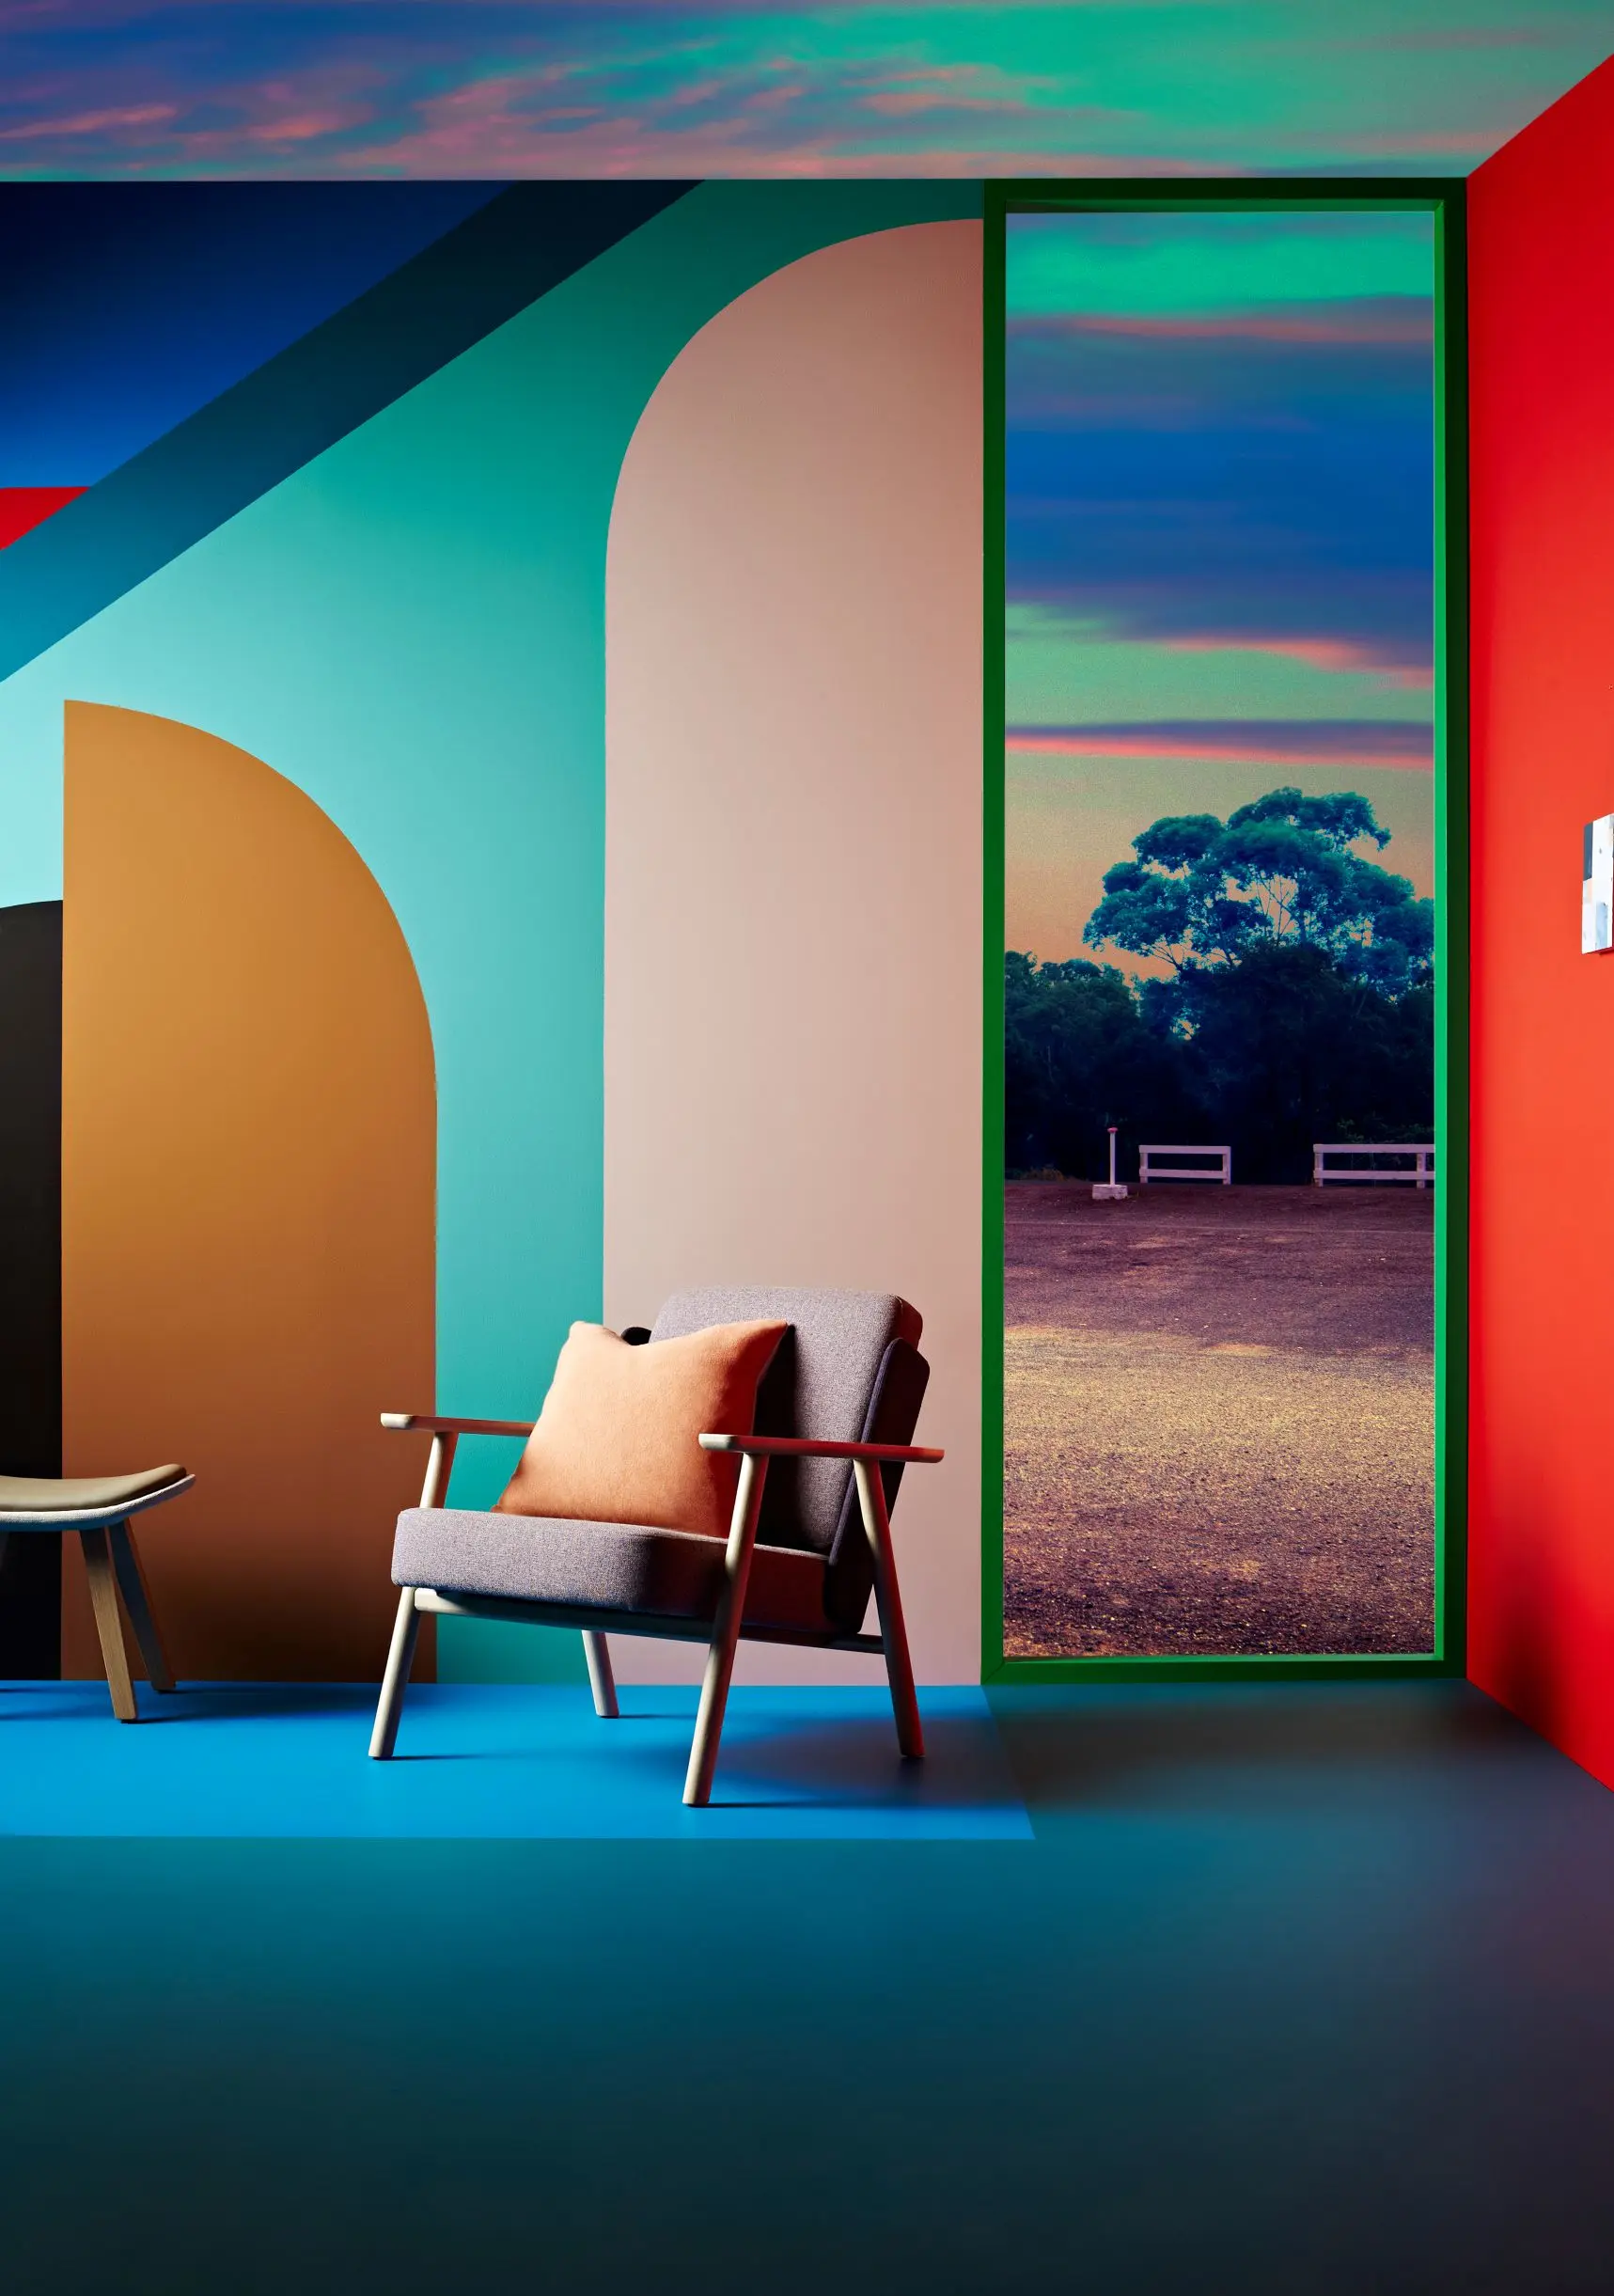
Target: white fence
pixel 1419 1174
pixel 1149 1168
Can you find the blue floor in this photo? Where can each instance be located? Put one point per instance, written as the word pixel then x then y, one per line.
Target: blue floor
pixel 484 1762
pixel 1296 1991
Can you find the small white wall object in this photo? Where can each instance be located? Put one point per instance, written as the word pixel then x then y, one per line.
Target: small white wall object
pixel 1117 1188
pixel 1597 887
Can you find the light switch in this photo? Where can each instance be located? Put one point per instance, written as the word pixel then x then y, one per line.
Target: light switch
pixel 1597 887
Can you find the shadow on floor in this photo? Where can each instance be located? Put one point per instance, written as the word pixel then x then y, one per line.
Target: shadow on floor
pixel 1144 1745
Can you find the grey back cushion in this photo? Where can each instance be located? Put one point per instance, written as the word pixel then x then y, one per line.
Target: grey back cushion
pixel 848 1369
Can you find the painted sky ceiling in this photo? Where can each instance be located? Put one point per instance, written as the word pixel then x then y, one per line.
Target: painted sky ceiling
pixel 512 88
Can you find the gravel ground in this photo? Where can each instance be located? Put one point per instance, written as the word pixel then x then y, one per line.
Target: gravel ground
pixel 1220 1421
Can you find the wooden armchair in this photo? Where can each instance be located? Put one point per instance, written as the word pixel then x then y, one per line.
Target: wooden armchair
pixel 809 1536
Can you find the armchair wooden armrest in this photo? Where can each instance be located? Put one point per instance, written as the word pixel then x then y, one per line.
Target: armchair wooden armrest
pixel 427 1423
pixel 446 1434
pixel 797 1447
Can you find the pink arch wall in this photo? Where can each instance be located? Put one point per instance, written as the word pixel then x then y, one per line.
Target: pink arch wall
pixel 793 826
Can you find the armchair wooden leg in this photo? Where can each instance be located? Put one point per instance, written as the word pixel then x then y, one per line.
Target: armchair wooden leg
pixel 109 1625
pixel 400 1659
pixel 137 1602
pixel 724 1633
pixel 602 1681
pixel 893 1633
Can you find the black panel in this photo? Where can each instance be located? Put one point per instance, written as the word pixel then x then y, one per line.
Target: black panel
pixel 31 1269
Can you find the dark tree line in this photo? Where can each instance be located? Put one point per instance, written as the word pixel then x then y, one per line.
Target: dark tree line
pixel 1299 1004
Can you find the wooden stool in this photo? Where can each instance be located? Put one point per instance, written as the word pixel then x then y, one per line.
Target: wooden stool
pixel 99 1507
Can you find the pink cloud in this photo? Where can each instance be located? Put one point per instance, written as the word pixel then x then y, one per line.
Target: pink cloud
pixel 1397 320
pixel 492 130
pixel 248 123
pixel 91 123
pixel 1404 749
pixel 1320 653
pixel 767 118
pixel 300 129
pixel 977 87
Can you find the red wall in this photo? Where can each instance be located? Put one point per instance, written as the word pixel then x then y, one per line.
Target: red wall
pixel 1541 365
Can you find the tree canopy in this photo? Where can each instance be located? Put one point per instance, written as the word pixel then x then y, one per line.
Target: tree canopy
pixel 1300 1005
pixel 1281 871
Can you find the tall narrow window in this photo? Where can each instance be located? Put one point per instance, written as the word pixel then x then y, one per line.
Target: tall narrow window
pixel 1220 936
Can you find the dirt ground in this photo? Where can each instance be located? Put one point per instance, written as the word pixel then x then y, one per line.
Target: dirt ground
pixel 1219 1421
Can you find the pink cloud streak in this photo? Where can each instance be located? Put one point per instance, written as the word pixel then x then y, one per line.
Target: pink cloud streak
pixel 1413 756
pixel 1414 325
pixel 1319 654
pixel 91 123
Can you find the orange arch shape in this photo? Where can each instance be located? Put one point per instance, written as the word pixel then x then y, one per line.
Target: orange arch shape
pixel 248 1184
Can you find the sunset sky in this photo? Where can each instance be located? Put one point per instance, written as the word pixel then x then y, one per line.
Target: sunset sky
pixel 1220 540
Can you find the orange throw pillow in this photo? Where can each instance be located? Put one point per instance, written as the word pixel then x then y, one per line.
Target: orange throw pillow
pixel 615 1440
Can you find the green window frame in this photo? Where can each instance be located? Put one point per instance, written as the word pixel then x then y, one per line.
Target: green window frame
pixel 1445 199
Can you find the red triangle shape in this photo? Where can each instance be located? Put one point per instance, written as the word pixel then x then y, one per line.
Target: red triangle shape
pixel 22 507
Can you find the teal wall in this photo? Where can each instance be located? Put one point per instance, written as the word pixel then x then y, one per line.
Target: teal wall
pixel 412 629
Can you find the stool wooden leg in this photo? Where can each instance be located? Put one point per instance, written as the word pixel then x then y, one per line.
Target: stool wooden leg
pixel 137 1602
pixel 109 1625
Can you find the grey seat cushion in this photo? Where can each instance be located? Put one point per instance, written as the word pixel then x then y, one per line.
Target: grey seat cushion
pixel 618 1566
pixel 32 1495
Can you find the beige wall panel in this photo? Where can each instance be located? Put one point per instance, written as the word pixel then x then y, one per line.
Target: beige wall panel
pixel 793 1004
pixel 247 1198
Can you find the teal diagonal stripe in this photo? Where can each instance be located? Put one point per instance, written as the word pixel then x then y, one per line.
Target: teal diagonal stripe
pixel 142 515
